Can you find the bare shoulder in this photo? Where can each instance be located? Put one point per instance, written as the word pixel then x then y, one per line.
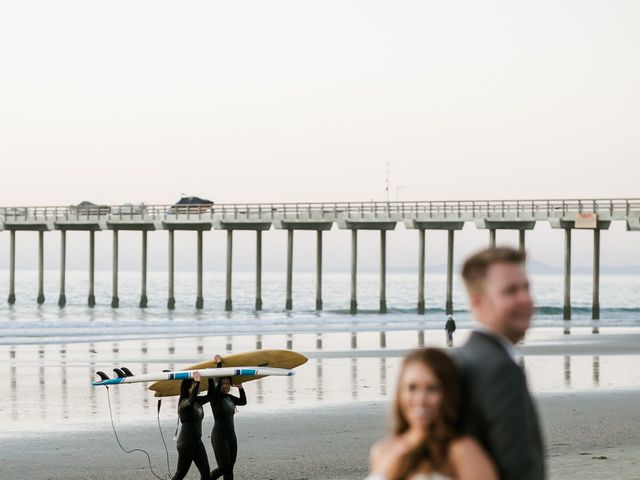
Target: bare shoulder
pixel 378 449
pixel 469 460
pixel 463 446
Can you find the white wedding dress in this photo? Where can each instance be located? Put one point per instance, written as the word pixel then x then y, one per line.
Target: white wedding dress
pixel 421 476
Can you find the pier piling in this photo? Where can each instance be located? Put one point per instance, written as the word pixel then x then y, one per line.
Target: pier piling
pixel 62 299
pixel 353 307
pixel 595 309
pixel 566 310
pixel 258 270
pixel 449 302
pixel 289 299
pixel 492 238
pixel 115 301
pixel 228 302
pixel 143 288
pixel 199 297
pixel 421 260
pixel 521 240
pixel 91 299
pixel 40 267
pixel 12 268
pixel 319 270
pixel 383 271
pixel 171 301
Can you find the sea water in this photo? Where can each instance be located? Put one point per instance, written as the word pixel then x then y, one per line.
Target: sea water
pixel 25 322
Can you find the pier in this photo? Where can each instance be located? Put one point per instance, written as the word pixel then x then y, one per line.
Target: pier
pixel 423 217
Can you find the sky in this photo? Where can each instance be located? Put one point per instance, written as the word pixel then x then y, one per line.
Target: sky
pixel 141 101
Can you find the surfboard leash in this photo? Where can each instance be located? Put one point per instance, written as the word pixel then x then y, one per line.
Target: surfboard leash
pixel 134 449
pixel 162 435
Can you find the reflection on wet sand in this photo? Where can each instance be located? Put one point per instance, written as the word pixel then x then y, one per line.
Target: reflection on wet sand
pixel 339 373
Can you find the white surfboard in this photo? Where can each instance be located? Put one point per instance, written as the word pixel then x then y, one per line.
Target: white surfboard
pixel 187 374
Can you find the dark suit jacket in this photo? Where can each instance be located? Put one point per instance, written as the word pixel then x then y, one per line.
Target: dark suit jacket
pixel 498 409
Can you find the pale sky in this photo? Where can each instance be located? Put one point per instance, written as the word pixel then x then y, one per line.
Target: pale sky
pixel 134 101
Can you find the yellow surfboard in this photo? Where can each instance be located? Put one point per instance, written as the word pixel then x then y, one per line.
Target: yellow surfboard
pixel 259 358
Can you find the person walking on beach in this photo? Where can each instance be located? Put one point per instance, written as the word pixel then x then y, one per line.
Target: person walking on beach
pixel 450 327
pixel 223 436
pixel 427 443
pixel 499 411
pixel 190 446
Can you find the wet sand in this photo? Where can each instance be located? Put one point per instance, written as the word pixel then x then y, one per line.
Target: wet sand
pixel 319 424
pixel 589 436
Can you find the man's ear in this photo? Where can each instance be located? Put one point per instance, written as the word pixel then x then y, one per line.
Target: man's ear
pixel 475 299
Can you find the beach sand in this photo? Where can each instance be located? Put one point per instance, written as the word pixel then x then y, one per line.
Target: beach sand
pixel 589 436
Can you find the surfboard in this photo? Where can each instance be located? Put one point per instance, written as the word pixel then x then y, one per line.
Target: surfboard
pixel 285 359
pixel 241 372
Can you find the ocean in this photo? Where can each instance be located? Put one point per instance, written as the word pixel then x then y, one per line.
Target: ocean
pixel 27 323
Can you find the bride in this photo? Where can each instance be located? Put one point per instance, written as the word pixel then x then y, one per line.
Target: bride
pixel 426 443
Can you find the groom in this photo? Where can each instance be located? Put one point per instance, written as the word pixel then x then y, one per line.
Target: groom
pixel 499 410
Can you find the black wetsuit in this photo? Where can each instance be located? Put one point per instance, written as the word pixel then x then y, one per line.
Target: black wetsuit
pixel 223 436
pixel 190 446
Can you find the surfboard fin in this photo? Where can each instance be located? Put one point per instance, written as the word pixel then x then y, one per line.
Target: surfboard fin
pixel 126 371
pixel 103 376
pixel 119 373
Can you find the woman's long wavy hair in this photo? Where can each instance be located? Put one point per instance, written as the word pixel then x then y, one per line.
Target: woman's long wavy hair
pixel 445 426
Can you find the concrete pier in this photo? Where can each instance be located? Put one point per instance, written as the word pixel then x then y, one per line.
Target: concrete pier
pixel 492 238
pixel 566 310
pixel 228 302
pixel 421 247
pixel 595 308
pixel 144 301
pixel 520 215
pixel 319 270
pixel 199 297
pixel 12 268
pixel 383 271
pixel 289 298
pixel 115 301
pixel 449 301
pixel 353 306
pixel 62 299
pixel 171 301
pixel 40 267
pixel 258 270
pixel 91 299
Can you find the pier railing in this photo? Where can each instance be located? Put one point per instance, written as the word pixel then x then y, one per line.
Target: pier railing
pixel 401 209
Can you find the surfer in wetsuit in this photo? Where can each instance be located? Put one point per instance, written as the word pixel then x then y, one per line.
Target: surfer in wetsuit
pixel 190 446
pixel 223 436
